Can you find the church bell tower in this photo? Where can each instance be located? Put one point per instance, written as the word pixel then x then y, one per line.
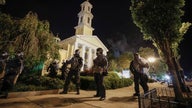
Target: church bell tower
pixel 85 19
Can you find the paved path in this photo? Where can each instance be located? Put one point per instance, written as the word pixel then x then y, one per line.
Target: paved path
pixel 118 98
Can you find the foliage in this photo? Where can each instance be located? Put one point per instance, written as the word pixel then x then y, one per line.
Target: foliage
pixel 36 83
pixel 29 35
pixel 88 83
pixel 112 81
pixel 41 81
pixel 112 65
pixel 124 60
pixel 146 52
pixel 2 2
pixel 121 62
pixel 160 23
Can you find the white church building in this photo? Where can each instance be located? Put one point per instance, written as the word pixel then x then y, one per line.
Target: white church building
pixel 83 39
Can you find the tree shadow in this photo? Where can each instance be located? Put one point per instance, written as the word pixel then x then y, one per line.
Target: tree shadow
pixel 62 101
pixel 123 99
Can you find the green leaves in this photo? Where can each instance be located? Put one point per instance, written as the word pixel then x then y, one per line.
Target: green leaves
pixel 29 35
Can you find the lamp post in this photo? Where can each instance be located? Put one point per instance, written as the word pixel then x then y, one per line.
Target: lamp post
pixel 151 59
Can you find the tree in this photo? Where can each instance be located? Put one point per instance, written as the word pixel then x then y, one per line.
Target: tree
pixel 124 60
pixel 146 52
pixel 29 35
pixel 2 2
pixel 160 22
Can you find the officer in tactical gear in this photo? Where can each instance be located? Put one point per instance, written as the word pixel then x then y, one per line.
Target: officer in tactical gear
pixel 3 59
pixel 64 70
pixel 99 71
pixel 14 67
pixel 138 67
pixel 53 69
pixel 76 63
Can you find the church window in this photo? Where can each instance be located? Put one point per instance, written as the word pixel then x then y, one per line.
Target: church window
pixel 88 20
pixel 81 19
pixel 83 8
pixel 88 8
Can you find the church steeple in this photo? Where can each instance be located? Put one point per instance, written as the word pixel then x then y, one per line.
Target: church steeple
pixel 85 19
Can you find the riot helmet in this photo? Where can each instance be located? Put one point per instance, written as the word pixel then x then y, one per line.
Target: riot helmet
pixel 99 51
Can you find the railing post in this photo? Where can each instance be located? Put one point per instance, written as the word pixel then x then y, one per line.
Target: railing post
pixel 139 101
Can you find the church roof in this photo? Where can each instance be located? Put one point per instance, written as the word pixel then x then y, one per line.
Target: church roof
pixel 91 40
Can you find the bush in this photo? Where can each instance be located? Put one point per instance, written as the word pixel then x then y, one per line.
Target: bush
pixel 32 83
pixel 24 87
pixel 112 81
pixel 35 83
pixel 88 83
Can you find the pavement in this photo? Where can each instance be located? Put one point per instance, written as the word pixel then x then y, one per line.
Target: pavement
pixel 116 98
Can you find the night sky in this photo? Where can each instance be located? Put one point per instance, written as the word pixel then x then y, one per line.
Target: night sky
pixel 109 17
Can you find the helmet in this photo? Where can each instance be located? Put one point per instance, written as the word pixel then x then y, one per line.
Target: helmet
pixel 77 51
pixel 99 51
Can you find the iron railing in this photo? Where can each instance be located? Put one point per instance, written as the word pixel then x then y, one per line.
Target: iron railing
pixel 161 98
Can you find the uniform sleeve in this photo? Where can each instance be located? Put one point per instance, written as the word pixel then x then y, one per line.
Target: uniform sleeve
pixel 131 67
pixel 105 63
pixel 80 62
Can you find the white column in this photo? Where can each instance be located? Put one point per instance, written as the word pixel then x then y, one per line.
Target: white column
pixel 68 51
pixel 90 61
pixel 83 55
pixel 76 46
pixel 72 50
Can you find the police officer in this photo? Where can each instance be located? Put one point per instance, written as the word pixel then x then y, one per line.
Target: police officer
pixel 137 68
pixel 52 69
pixel 3 59
pixel 64 70
pixel 14 67
pixel 99 70
pixel 76 63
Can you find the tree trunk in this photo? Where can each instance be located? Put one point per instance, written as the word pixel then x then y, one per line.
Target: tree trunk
pixel 180 76
pixel 169 55
pixel 175 81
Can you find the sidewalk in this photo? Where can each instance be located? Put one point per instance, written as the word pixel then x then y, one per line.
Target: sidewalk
pixel 118 98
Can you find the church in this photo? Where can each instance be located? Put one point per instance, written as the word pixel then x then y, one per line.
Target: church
pixel 83 39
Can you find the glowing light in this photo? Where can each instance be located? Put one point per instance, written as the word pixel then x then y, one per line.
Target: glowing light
pixel 167 77
pixel 151 59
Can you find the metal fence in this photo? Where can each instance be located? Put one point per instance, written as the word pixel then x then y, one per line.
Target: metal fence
pixel 161 98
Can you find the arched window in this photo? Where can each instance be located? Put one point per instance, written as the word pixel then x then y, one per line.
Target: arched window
pixel 88 20
pixel 89 9
pixel 81 19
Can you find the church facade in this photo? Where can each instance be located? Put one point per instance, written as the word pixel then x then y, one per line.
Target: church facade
pixel 83 39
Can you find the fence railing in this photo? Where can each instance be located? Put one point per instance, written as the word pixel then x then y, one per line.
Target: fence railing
pixel 160 98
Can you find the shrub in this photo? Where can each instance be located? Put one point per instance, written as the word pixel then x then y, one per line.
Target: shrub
pixel 112 81
pixel 38 83
pixel 35 83
pixel 88 83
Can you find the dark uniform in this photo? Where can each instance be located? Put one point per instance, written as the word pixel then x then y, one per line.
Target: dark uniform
pixel 64 70
pixel 3 59
pixel 99 70
pixel 52 69
pixel 14 67
pixel 137 68
pixel 76 63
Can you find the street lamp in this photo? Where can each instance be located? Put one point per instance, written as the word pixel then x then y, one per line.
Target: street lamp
pixel 151 59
